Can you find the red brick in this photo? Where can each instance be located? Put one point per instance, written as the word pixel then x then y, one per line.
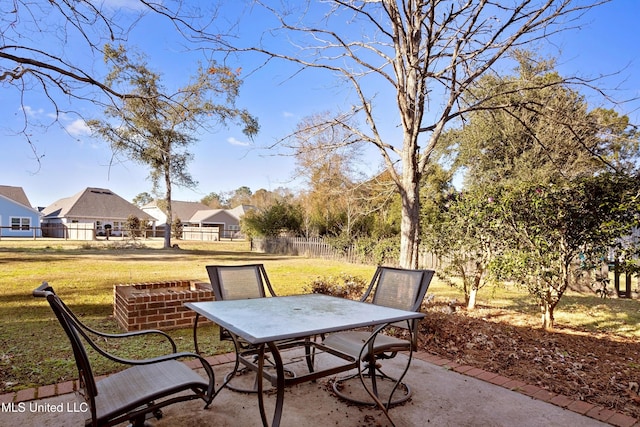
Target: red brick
pixel 474 372
pixel 514 385
pixel 451 365
pixel 600 413
pixel 46 391
pixel 7 397
pixel 530 390
pixel 499 380
pixel 486 375
pixel 27 394
pixel 66 387
pixel 580 406
pixel 441 362
pixel 561 400
pixel 544 395
pixel 193 363
pixel 621 420
pixel 428 357
pixel 462 368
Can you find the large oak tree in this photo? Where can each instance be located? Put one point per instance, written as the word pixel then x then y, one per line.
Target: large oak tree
pixel 408 63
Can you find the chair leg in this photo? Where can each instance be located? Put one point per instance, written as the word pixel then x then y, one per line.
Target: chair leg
pixel 310 354
pixel 243 371
pixel 396 392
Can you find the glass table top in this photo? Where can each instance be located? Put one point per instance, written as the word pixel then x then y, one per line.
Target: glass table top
pixel 262 320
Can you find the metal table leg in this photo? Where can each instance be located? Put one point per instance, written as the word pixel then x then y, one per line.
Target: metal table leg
pixel 280 384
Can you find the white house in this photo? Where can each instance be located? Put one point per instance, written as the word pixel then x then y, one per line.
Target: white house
pixel 182 210
pixel 17 217
pixel 200 221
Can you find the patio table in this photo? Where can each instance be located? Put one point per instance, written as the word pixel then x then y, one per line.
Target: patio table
pixel 264 322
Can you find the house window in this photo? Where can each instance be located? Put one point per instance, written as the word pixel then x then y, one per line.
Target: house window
pixel 18 223
pixel 233 227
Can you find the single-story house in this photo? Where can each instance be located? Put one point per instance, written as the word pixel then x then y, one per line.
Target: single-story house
pixel 91 212
pixel 200 222
pixel 17 217
pixel 182 210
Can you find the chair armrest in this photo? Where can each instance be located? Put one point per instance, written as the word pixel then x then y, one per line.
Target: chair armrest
pixel 136 334
pixel 44 290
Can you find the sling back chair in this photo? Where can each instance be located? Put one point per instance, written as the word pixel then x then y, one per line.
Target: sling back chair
pixel 233 282
pixel 391 287
pixel 141 390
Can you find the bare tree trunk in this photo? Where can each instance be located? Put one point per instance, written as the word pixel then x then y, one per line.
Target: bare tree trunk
pixel 167 198
pixel 471 304
pixel 477 278
pixel 547 311
pixel 410 224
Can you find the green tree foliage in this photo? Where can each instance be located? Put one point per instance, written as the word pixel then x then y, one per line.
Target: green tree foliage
pixel 177 228
pixel 281 217
pixel 467 231
pixel 551 224
pixel 535 128
pixel 155 128
pixel 133 227
pixel 536 132
pixel 213 200
pixel 142 199
pixel 240 196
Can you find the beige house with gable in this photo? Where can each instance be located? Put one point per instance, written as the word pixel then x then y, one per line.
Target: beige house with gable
pixel 90 213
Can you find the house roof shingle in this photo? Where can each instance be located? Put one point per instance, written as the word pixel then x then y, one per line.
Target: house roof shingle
pixel 96 203
pixel 16 194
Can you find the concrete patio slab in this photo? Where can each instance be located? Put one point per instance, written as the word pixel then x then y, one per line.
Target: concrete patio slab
pixel 441 397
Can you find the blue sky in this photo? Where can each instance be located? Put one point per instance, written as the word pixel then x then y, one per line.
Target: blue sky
pixel 226 159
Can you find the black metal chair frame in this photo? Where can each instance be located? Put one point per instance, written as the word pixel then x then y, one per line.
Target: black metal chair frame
pixel 374 346
pixel 168 377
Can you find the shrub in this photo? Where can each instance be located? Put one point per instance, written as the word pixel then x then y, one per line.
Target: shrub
pixel 344 286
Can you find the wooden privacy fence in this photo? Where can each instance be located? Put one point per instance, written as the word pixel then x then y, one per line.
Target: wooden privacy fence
pixel 317 247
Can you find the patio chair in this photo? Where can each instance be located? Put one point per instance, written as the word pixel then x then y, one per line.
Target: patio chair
pixel 233 282
pixel 141 390
pixel 390 287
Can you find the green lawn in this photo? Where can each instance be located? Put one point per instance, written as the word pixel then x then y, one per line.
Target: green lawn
pixel 33 350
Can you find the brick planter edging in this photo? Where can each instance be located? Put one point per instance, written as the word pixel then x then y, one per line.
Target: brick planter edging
pixel 584 408
pixel 158 305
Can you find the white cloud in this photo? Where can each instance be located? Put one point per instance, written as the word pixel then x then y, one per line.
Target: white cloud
pixel 78 128
pixel 287 114
pixel 31 112
pixel 231 140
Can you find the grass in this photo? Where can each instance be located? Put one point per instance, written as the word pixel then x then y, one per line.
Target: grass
pixel 33 351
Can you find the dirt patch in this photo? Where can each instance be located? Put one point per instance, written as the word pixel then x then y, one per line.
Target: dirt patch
pixel 602 368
